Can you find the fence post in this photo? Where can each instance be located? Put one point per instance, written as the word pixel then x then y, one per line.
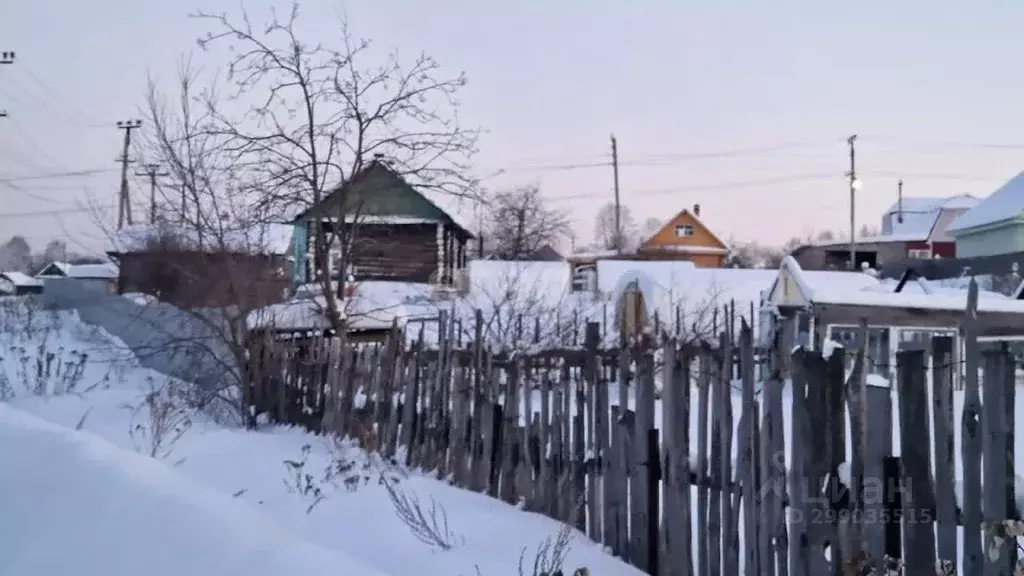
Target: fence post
pixel 916 488
pixel 970 444
pixel 945 462
pixel 993 425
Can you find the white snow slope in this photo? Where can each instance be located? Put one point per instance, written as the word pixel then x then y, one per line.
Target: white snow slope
pixel 74 503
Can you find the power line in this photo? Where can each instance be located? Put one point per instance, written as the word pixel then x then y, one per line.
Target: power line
pixel 52 175
pixel 55 212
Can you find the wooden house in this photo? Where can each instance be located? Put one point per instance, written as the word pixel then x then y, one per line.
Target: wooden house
pixel 243 266
pixel 397 232
pixel 685 237
pixel 19 284
pixel 913 230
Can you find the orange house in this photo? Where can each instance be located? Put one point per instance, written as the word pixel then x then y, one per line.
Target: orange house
pixel 685 237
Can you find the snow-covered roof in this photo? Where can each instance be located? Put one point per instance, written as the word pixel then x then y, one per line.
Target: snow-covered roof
pixel 920 215
pixel 263 238
pixel 1006 203
pixel 102 271
pixel 21 279
pixel 798 290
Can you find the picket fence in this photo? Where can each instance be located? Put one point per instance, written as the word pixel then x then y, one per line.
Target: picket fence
pixel 555 431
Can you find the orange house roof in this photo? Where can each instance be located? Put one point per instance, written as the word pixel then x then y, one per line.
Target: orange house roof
pixel 701 240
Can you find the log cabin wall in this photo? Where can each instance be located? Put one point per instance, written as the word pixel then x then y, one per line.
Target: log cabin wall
pixel 406 252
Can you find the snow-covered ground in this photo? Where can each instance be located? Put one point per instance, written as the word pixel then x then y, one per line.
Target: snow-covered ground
pixel 83 497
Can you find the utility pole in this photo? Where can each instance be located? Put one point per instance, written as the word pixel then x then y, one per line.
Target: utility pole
pixel 618 207
pixel 854 184
pixel 6 58
pixel 153 172
pixel 124 206
pixel 899 201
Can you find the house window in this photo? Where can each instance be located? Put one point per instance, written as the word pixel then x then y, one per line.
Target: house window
pixel 584 279
pixel 684 231
pixel 919 253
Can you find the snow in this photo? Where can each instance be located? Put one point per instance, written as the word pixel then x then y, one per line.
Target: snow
pixel 1006 203
pixel 936 297
pixel 271 238
pixel 105 271
pixel 84 506
pixel 21 279
pixel 85 502
pixel 919 216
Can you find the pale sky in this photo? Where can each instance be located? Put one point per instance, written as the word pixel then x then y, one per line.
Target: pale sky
pixel 743 106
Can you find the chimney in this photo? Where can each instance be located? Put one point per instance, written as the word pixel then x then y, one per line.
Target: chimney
pixel 378 157
pixel 696 210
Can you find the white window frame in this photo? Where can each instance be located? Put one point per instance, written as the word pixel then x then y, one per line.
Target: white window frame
pixel 584 278
pixel 684 230
pixel 919 253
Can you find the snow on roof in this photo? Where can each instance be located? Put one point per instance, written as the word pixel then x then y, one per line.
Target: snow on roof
pixel 923 296
pixel 114 512
pixel 1006 203
pixel 21 279
pixel 374 305
pixel 695 297
pixel 459 209
pixel 264 238
pixel 101 271
pixel 105 270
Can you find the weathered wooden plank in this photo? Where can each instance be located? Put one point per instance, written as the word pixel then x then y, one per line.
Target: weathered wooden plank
pixel 970 444
pixel 615 485
pixel 682 482
pixel 945 463
pixel 748 422
pixel 915 437
pixel 730 532
pixel 716 454
pixel 1010 407
pixel 993 379
pixel 878 401
pixel 834 388
pixel 592 405
pixel 640 477
pixel 703 500
pixel 671 390
pixel 783 369
pixel 510 434
pixel 600 408
pixel 805 364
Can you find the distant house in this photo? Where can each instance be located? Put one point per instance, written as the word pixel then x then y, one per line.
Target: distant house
pixel 18 284
pixel 401 233
pixel 912 229
pixel 101 276
pixel 243 265
pixel 685 237
pixel 995 225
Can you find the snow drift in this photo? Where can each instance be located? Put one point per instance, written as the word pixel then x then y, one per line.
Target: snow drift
pixel 74 504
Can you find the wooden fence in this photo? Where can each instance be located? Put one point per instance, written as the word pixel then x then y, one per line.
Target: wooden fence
pixel 691 466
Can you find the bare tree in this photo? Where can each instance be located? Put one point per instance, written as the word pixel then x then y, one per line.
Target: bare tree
pixel 315 116
pixel 16 255
pixel 604 228
pixel 519 223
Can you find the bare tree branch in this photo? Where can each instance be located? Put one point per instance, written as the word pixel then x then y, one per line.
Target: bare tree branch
pixel 519 223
